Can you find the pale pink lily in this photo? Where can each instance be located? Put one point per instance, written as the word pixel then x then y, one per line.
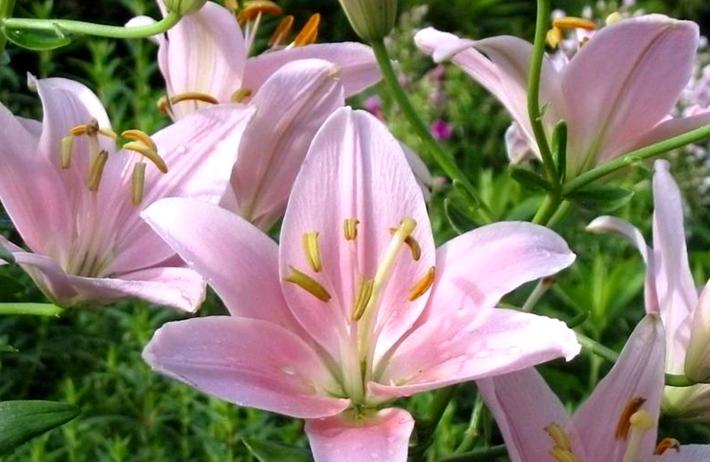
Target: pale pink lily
pixel 617 423
pixel 293 90
pixel 670 291
pixel 615 94
pixel 355 308
pixel 74 205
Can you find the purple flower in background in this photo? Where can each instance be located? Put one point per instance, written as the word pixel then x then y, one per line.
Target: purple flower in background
pixel 441 130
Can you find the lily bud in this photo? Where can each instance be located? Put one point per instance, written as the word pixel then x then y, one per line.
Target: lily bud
pixel 697 357
pixel 371 19
pixel 184 7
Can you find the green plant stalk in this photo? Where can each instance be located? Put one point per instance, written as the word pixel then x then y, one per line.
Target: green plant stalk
pixel 441 157
pixel 477 455
pixel 647 152
pixel 98 30
pixel 678 380
pixel 6 8
pixel 473 430
pixel 35 309
pixel 427 426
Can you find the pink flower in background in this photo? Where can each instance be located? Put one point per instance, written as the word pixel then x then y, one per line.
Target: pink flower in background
pixel 617 423
pixel 441 130
pixel 615 94
pixel 355 307
pixel 75 199
pixel 373 105
pixel 671 293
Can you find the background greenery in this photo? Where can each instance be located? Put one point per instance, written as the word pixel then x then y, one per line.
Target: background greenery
pixel 92 357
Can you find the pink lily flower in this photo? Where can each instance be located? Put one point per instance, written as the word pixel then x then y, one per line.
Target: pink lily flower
pixel 671 293
pixel 617 423
pixel 204 60
pixel 615 93
pixel 355 307
pixel 75 199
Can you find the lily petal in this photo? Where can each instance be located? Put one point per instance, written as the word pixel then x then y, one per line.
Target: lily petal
pixel 358 67
pixel 383 437
pixel 686 453
pixel 204 53
pixel 239 262
pixel 290 108
pixel 247 362
pixel 697 358
pixel 637 374
pixel 651 60
pixel 473 344
pixel 677 295
pixel 524 407
pixel 672 127
pixel 354 170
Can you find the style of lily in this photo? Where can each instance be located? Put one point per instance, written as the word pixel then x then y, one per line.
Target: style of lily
pixel 671 293
pixel 355 307
pixel 615 93
pixel 75 199
pixel 204 60
pixel 617 423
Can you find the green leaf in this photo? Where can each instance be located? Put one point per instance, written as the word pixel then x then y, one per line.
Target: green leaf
pixel 559 149
pixel 20 421
pixel 529 179
pixel 601 198
pixel 458 217
pixel 266 451
pixel 38 40
pixel 7 256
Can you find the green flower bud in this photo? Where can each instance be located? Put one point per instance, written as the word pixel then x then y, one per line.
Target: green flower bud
pixel 371 19
pixel 184 7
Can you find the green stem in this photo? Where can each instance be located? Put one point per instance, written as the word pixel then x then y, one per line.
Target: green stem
pixel 547 209
pixel 534 76
pixel 477 455
pixel 428 425
pixel 693 136
pixel 597 348
pixel 680 380
pixel 441 157
pixel 34 309
pixel 98 30
pixel 559 214
pixel 6 8
pixel 473 431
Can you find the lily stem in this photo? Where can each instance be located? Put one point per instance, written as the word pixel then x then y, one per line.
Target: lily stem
pixel 34 309
pixel 87 28
pixel 473 431
pixel 6 8
pixel 441 157
pixel 428 425
pixel 477 455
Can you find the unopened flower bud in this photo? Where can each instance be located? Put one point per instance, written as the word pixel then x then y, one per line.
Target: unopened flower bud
pixel 184 7
pixel 371 19
pixel 697 356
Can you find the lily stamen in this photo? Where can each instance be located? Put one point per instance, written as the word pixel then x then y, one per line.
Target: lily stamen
pixel 309 33
pixel 308 284
pixel 137 135
pixel 350 228
pixel 571 22
pixel 137 183
pixel 624 423
pixel 422 285
pixel 282 31
pixel 240 95
pixel 66 151
pixel 255 8
pixel 562 450
pixel 148 153
pixel 364 294
pixel 165 104
pixel 639 423
pixel 666 444
pixel 310 246
pixel 96 170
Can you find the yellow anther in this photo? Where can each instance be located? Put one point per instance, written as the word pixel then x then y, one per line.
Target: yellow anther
pixel 563 455
pixel 309 33
pixel 138 183
pixel 96 170
pixel 254 8
pixel 570 22
pixel 163 104
pixel 231 5
pixel 613 18
pixel 137 135
pixel 108 133
pixel 413 245
pixel 91 129
pixel 308 284
pixel 423 285
pixel 310 245
pixel 559 436
pixel 148 153
pixel 666 444
pixel 624 423
pixel 241 95
pixel 554 37
pixel 192 96
pixel 364 294
pixel 282 30
pixel 66 151
pixel 350 228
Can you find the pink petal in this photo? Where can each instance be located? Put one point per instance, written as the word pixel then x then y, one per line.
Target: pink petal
pixel 383 437
pixel 677 296
pixel 358 67
pixel 523 407
pixel 670 128
pixel 697 358
pixel 354 169
pixel 290 108
pixel 624 81
pixel 247 362
pixel 203 53
pixel 471 344
pixel 687 453
pixel 199 151
pixel 239 261
pixel 31 190
pixel 638 373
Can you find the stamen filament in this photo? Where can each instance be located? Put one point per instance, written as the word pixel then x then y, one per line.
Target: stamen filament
pixel 310 245
pixel 138 183
pixel 423 285
pixel 148 153
pixel 66 151
pixel 640 422
pixel 308 284
pixel 165 104
pixel 96 170
pixel 309 33
pixel 413 245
